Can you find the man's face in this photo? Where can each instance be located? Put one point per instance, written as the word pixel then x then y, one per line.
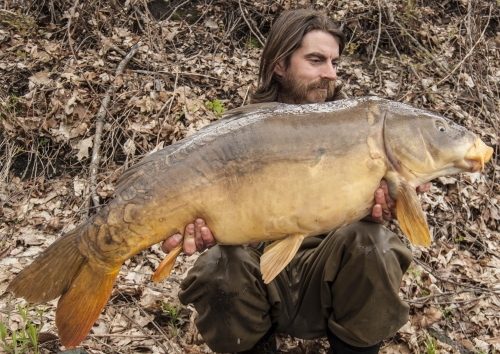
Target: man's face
pixel 312 71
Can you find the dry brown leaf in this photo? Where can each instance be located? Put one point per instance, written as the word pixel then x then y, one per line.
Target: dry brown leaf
pixel 431 316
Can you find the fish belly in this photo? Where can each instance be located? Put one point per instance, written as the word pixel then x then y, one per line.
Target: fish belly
pixel 287 198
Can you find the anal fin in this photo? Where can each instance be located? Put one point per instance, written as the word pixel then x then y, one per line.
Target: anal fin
pixel 166 266
pixel 277 256
pixel 411 217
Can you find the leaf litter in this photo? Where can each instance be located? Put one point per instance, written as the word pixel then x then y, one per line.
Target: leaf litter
pixel 59 58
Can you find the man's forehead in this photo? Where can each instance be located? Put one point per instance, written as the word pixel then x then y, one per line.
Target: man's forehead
pixel 319 42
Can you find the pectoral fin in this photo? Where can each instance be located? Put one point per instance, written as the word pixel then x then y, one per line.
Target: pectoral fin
pixel 277 255
pixel 411 217
pixel 167 265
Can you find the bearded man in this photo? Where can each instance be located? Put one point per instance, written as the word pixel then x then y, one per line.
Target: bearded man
pixel 344 285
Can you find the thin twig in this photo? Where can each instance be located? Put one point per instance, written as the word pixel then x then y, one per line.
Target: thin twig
pixel 423 299
pixel 249 26
pixel 481 38
pixel 420 46
pixel 176 8
pixel 101 115
pixel 117 335
pixel 147 72
pixel 68 28
pixel 379 32
pixel 476 288
pixel 389 11
pixel 171 102
pixel 399 55
pixel 142 330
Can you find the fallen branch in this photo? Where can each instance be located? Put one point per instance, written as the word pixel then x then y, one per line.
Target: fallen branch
pixel 261 41
pixel 481 38
pixel 399 55
pixel 379 32
pixel 421 47
pixel 101 115
pixel 412 39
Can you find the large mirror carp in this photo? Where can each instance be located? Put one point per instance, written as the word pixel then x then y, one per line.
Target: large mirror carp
pixel 265 172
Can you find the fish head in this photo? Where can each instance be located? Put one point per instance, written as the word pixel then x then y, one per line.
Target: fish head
pixel 421 146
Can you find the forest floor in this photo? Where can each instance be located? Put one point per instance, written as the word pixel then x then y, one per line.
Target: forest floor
pixel 196 59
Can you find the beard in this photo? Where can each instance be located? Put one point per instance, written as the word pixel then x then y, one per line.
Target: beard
pixel 299 91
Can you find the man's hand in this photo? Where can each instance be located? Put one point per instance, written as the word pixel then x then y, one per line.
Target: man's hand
pixel 385 207
pixel 197 237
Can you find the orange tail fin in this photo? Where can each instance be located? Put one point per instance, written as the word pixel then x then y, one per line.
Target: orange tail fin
pixel 167 264
pixel 51 274
pixel 63 270
pixel 79 308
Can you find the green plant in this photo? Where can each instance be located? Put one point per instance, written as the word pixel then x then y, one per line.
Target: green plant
pixel 179 115
pixel 43 141
pixel 11 107
pixel 173 313
pixel 430 343
pixel 216 106
pixel 415 272
pixel 351 47
pixel 20 341
pixel 447 314
pixel 252 43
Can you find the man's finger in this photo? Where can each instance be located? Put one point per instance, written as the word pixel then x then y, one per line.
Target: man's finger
pixel 380 197
pixel 208 238
pixel 424 187
pixel 377 214
pixel 198 224
pixel 189 246
pixel 170 243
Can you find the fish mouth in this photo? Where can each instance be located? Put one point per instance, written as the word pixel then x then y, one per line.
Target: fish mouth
pixel 478 155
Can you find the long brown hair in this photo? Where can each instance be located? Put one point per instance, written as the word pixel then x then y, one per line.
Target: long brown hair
pixel 284 38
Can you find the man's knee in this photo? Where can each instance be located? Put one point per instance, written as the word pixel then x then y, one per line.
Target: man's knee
pixel 369 237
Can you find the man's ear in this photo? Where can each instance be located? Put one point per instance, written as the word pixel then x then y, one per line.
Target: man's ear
pixel 279 69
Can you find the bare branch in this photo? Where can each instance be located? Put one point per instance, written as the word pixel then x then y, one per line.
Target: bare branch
pixel 101 115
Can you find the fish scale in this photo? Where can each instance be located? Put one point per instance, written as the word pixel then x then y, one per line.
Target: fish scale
pixel 266 172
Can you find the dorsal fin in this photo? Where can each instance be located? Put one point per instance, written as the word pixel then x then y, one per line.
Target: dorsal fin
pixel 251 108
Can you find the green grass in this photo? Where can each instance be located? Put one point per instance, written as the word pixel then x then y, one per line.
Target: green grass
pixel 173 313
pixel 25 338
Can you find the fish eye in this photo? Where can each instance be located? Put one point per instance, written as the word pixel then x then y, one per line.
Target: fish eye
pixel 440 126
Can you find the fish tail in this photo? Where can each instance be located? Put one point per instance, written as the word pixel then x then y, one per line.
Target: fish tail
pixel 63 270
pixel 51 274
pixel 79 308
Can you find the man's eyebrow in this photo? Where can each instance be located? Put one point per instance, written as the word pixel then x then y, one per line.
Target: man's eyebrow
pixel 319 56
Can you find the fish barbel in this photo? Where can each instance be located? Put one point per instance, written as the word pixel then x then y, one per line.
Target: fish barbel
pixel 266 172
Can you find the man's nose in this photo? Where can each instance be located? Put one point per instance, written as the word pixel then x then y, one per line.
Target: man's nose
pixel 329 72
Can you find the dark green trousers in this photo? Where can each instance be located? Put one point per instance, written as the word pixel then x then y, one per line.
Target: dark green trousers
pixel 347 281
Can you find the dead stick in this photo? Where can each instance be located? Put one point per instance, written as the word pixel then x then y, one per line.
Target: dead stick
pixel 399 55
pixel 249 26
pixel 421 47
pixel 379 32
pixel 413 39
pixel 101 115
pixel 471 51
pixel 138 336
